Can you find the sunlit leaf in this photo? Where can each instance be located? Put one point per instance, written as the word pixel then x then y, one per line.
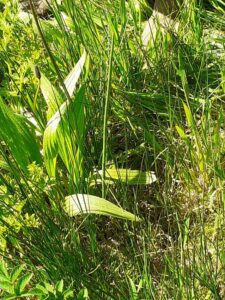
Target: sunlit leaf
pixel 16 273
pixel 34 292
pixel 72 79
pixel 68 294
pixel 18 137
pixel 3 269
pixel 6 286
pixel 89 204
pixel 130 177
pixel 189 116
pixel 64 136
pixel 83 294
pixel 134 293
pixel 50 144
pixel 51 96
pixel 59 286
pixel 181 132
pixel 22 283
pixel 64 132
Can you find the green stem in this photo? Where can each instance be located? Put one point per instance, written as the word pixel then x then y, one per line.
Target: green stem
pixel 36 95
pixel 48 50
pixel 104 154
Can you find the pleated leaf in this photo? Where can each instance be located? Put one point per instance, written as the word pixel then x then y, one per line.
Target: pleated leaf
pixel 22 283
pixel 72 79
pixel 3 269
pixel 64 132
pixel 18 137
pixel 130 177
pixel 16 273
pixel 51 96
pixel 64 136
pixel 88 204
pixel 50 143
pixel 6 286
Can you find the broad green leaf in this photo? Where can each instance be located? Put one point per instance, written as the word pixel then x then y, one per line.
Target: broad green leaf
pixel 50 144
pixel 34 292
pixel 65 130
pixel 181 132
pixel 134 293
pixel 71 138
pixel 16 273
pixel 82 295
pixel 49 287
pixel 51 96
pixel 89 204
pixel 72 79
pixel 22 283
pixel 10 297
pixel 3 269
pixel 3 278
pixel 131 177
pixel 41 288
pixel 6 286
pixel 18 136
pixel 59 286
pixel 68 294
pixel 189 116
pixel 64 136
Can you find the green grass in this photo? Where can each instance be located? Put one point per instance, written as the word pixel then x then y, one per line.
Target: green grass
pixel 157 110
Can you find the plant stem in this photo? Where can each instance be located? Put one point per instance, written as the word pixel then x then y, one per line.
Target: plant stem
pixel 48 50
pixel 104 154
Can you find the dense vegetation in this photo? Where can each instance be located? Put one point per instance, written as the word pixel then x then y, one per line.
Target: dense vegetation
pixel 112 150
